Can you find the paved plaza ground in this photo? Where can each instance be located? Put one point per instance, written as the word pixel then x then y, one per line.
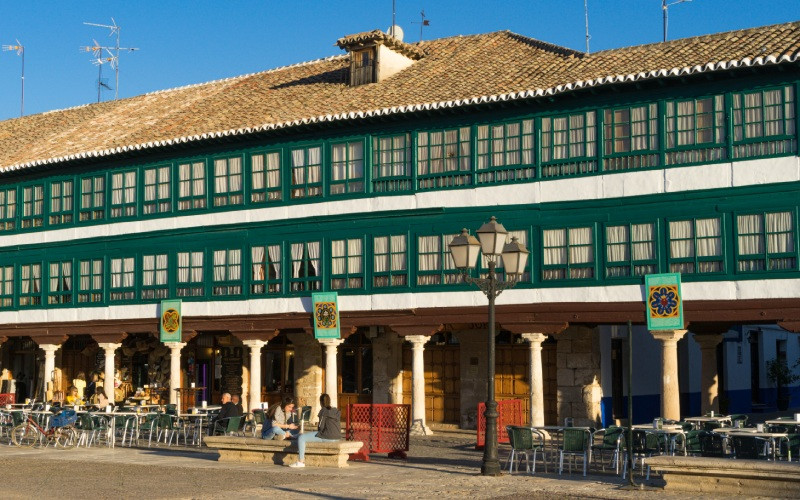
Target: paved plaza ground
pixel 444 465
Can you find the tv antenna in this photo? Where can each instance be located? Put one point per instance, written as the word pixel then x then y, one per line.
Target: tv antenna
pixel 112 56
pixel 586 16
pixel 665 7
pixel 422 23
pixel 20 50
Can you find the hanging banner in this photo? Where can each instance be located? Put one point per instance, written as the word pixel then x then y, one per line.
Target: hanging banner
pixel 325 315
pixel 171 321
pixel 664 301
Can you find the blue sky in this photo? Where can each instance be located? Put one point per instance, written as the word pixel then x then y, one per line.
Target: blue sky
pixel 185 42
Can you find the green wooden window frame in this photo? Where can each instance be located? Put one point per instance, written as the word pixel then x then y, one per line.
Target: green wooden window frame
pixel 306 169
pixel 505 151
pixel 631 249
pixel 30 285
pixel 123 194
pixel 60 282
pixel 265 177
pixel 266 277
pixel 90 283
pixel 444 157
pixel 766 241
pixel 390 261
pixel 192 185
pixel 305 266
pixel 228 181
pixel 764 122
pixel 32 206
pixel 434 263
pixel 347 263
pixel 190 271
pixel 8 209
pixel 346 167
pixel 696 245
pixel 568 253
pixel 93 198
pixel 157 185
pixel 155 276
pixel 391 163
pixel 7 287
pixel 630 137
pixel 695 130
pixel 123 279
pixel 569 144
pixel 227 272
pixel 62 202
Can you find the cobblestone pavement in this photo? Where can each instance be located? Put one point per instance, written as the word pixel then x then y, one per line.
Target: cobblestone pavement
pixel 444 465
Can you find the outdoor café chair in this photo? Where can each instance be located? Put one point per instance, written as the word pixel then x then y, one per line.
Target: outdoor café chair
pixel 169 427
pixel 576 442
pixel 227 426
pixel 86 430
pixel 525 440
pixel 739 417
pixel 712 444
pixel 150 426
pixel 749 447
pixel 257 422
pixel 645 445
pixel 611 441
pixel 789 447
pixel 689 442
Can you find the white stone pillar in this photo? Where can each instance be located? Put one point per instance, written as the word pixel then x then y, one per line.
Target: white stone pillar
pixel 49 368
pixel 174 369
pixel 418 424
pixel 331 372
pixel 255 372
pixel 110 372
pixel 670 392
pixel 536 378
pixel 709 378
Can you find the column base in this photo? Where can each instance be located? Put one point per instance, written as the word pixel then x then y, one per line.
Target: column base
pixel 420 429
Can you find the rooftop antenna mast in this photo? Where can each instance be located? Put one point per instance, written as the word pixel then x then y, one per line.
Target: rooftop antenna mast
pixel 99 61
pixel 665 7
pixel 20 50
pixel 586 16
pixel 423 22
pixel 113 53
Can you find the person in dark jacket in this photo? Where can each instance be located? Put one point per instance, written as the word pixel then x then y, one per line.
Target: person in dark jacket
pixel 329 429
pixel 228 410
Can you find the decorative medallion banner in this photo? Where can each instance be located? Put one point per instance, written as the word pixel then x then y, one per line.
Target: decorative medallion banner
pixel 171 321
pixel 664 301
pixel 326 315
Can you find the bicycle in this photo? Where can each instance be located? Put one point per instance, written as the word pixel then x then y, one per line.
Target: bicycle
pixel 61 432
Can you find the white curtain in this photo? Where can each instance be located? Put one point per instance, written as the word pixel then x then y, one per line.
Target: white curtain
pixel 235 174
pixel 85 275
pixel 560 138
pixel 381 254
pixel 161 269
pixel 116 273
pixel 580 245
pixel 753 115
pixel 773 112
pixel 258 263
pixel 297 259
pixel 313 255
pixel 399 253
pixel 184 180
pixel 55 197
pixel 128 269
pixel 429 253
pixel 465 161
pixel 709 242
pixel 234 264
pixel 273 170
pixel 163 186
pixel 591 134
pixel 751 231
pixel 183 267
pixel 617 244
pixel 220 176
pixel 298 171
pixel 275 261
pixel 66 276
pixel 423 158
pixel 26 279
pixel 8 280
pixel 642 238
pixel 338 162
pixel 196 264
pixel 686 123
pixel 483 147
pixel 436 153
pixel 680 236
pixel 116 189
pixel 547 143
pixel 150 184
pixel 498 146
pixel 356 164
pixel 97 271
pixel 512 144
pixel 199 176
pixel 337 257
pixel 576 136
pixel 54 277
pixel 130 187
pixel 354 256
pixel 38 200
pixel 527 142
pixel 148 270
pixel 639 135
pixel 781 233
pixel 555 246
pixel 314 165
pixel 37 277
pixel 219 265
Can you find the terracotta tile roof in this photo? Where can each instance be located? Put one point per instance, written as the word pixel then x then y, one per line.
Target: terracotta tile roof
pixel 456 71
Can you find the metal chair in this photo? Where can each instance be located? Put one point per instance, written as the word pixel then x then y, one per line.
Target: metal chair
pixel 525 440
pixel 257 422
pixel 749 447
pixel 611 441
pixel 689 443
pixel 712 444
pixel 645 445
pixel 575 441
pixel 227 426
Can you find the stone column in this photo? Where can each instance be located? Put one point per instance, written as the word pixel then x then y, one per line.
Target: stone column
pixel 255 372
pixel 307 371
pixel 174 369
pixel 110 372
pixel 536 377
pixel 331 372
pixel 418 425
pixel 670 392
pixel 709 379
pixel 49 368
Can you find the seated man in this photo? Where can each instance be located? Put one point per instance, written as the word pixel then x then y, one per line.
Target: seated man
pixel 228 410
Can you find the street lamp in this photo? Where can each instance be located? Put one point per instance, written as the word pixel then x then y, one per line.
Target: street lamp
pixel 464 249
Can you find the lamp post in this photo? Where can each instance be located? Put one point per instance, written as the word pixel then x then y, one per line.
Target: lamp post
pixel 464 249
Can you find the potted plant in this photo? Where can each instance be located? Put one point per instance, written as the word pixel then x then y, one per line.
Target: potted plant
pixel 780 374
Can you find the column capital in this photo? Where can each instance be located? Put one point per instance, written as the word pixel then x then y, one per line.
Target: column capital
pixel 109 346
pixel 175 345
pixel 254 344
pixel 668 335
pixel 708 341
pixel 49 348
pixel 330 342
pixel 417 340
pixel 534 338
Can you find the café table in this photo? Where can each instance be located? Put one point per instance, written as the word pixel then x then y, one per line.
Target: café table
pixel 774 438
pixel 722 420
pixel 670 433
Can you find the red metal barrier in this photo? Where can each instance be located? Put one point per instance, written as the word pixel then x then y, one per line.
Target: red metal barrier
pixel 510 413
pixel 383 428
pixel 7 398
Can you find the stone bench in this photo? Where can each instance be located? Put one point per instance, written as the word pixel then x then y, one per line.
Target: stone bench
pixel 728 477
pixel 256 450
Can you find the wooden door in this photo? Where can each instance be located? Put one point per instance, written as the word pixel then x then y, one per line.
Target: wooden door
pixel 442 382
pixel 511 377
